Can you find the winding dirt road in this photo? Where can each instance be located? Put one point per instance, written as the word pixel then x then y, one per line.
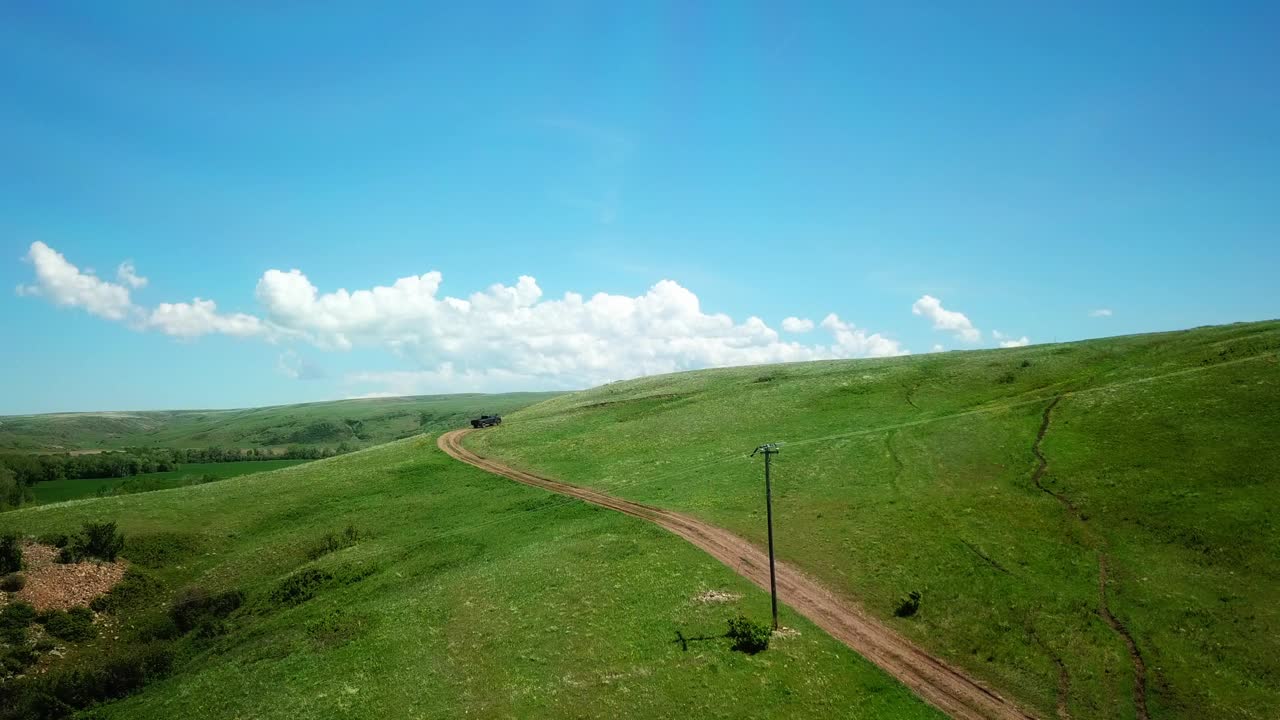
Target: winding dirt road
pixel 938 683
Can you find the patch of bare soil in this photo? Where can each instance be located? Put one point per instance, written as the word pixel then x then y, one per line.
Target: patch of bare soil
pixel 54 586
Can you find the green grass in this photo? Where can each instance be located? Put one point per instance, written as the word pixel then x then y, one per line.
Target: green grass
pixel 355 422
pixel 915 474
pixel 59 490
pixel 478 597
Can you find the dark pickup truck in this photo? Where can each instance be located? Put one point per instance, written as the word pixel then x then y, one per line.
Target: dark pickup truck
pixel 485 421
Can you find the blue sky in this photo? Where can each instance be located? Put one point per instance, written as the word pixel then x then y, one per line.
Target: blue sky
pixel 1010 167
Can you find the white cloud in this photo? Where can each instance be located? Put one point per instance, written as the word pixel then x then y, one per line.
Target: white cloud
pixel 797 325
pixel 1101 312
pixel 201 317
pixel 937 348
pixel 943 319
pixel 1010 342
pixel 505 337
pixel 127 275
pixel 66 285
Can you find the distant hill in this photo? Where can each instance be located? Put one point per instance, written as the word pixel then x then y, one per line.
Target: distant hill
pixel 354 422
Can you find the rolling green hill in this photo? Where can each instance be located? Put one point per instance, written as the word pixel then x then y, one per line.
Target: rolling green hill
pixel 355 422
pixel 1135 571
pixel 464 594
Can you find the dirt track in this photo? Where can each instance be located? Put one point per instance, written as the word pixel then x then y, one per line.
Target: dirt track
pixel 939 684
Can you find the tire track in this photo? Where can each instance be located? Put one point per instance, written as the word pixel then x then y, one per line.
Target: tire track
pixel 936 682
pixel 1104 611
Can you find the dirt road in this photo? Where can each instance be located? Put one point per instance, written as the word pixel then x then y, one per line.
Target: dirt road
pixel 938 683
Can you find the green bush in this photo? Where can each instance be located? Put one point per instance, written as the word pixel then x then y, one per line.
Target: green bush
pixel 10 553
pixel 14 620
pixel 135 589
pixel 13 582
pixel 333 542
pixel 63 690
pixel 74 625
pixel 909 605
pixel 300 586
pixel 748 636
pixel 194 607
pixel 58 540
pixel 158 550
pixel 96 540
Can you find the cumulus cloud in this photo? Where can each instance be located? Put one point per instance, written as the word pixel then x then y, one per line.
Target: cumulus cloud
pixel 504 337
pixel 1009 342
pixel 931 308
pixel 937 348
pixel 127 275
pixel 65 285
pixel 1101 312
pixel 797 325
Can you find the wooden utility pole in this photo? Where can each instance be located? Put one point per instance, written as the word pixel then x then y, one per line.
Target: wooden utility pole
pixel 769 450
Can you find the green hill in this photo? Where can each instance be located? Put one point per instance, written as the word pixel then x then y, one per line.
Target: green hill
pixel 462 594
pixel 1162 463
pixel 355 422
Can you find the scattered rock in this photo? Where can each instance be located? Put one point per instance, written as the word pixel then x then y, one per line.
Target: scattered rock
pixel 716 596
pixel 786 633
pixel 53 586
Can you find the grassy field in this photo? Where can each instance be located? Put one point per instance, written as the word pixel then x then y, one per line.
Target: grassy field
pixel 918 473
pixel 58 490
pixel 355 422
pixel 475 596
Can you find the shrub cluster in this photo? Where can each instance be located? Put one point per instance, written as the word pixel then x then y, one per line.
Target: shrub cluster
pixel 10 553
pixel 748 636
pixel 63 690
pixel 13 582
pixel 333 542
pixel 300 586
pixel 74 625
pixel 135 589
pixel 197 608
pixel 95 540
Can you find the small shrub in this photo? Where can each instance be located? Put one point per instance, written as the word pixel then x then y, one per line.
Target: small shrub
pixel 58 540
pixel 135 589
pixel 10 553
pixel 1026 364
pixel 17 658
pixel 748 636
pixel 67 688
pixel 195 606
pixel 98 540
pixel 159 550
pixel 909 605
pixel 74 625
pixel 333 542
pixel 1006 378
pixel 13 582
pixel 14 620
pixel 300 586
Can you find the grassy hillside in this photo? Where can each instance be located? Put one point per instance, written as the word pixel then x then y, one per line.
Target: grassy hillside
pixel 355 422
pixel 921 473
pixel 466 594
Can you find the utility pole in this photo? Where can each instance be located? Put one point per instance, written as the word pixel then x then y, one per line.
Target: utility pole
pixel 770 449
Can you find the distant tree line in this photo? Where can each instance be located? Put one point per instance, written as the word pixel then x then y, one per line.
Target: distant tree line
pixel 19 471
